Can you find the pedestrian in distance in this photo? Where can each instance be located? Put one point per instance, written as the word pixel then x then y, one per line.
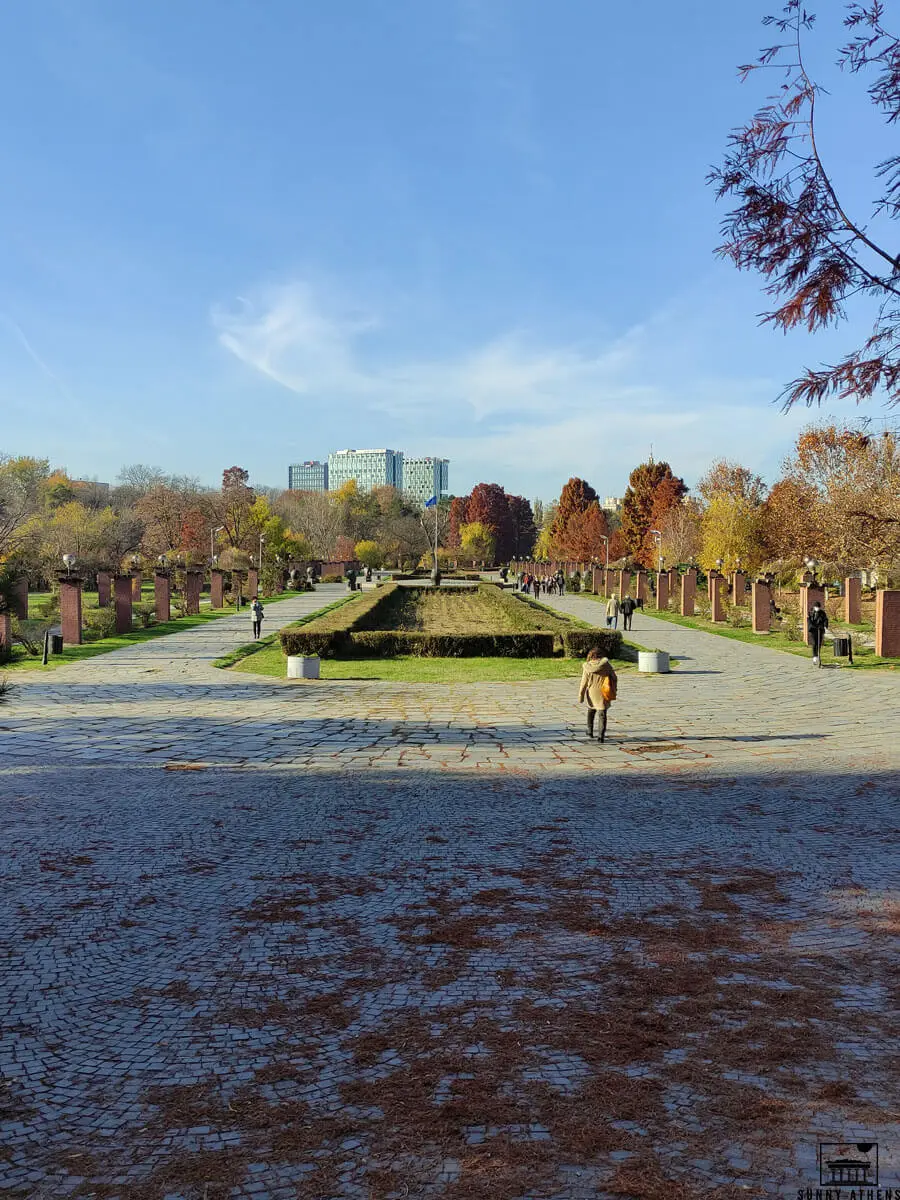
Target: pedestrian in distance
pixel 612 612
pixel 351 579
pixel 257 613
pixel 816 624
pixel 561 583
pixel 627 607
pixel 599 683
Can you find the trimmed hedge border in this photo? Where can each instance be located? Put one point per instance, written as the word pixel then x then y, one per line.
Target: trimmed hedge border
pixel 352 632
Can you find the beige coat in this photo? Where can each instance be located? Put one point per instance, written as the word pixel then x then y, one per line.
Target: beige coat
pixel 591 679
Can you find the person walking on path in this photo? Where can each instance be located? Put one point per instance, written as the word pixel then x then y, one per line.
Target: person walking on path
pixel 817 623
pixel 612 612
pixel 598 685
pixel 561 583
pixel 256 616
pixel 627 606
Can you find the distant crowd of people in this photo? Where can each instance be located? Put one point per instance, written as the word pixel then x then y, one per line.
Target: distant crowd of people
pixel 545 585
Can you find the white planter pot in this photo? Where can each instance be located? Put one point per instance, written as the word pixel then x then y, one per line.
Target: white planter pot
pixel 302 667
pixel 653 662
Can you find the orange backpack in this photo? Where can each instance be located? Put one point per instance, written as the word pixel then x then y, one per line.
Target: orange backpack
pixel 608 688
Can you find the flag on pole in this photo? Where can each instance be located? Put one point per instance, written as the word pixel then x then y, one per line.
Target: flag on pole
pixel 431 503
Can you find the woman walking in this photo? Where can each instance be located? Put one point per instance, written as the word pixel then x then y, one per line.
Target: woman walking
pixel 598 684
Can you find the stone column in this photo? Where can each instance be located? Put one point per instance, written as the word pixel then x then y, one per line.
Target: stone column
pixel 761 607
pixel 253 582
pixel 162 594
pixel 137 582
pixel 18 600
pixel 123 594
pixel 738 587
pixel 717 607
pixel 688 593
pixel 5 634
pixel 853 600
pixel 217 589
pixel 887 622
pixel 193 581
pixel 662 590
pixel 809 594
pixel 70 609
pixel 104 589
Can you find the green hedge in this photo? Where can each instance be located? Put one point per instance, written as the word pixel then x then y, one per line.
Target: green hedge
pixel 578 642
pixel 389 644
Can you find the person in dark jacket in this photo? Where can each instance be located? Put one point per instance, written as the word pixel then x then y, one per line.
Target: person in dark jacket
pixel 627 608
pixel 817 623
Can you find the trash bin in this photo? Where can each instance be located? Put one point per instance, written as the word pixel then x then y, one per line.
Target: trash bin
pixel 56 643
pixel 841 646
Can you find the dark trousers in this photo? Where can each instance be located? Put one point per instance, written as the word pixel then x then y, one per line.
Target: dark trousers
pixel 592 713
pixel 626 620
pixel 257 627
pixel 816 638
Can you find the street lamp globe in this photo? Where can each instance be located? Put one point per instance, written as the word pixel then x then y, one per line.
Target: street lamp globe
pixel 69 561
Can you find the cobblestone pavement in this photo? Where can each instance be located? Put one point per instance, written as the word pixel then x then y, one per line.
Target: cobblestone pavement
pixel 358 939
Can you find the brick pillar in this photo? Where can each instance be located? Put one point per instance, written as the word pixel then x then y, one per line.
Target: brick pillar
pixel 123 594
pixel 673 581
pixel 137 582
pixel 104 589
pixel 624 584
pixel 5 634
pixel 738 587
pixel 18 600
pixel 193 581
pixel 640 586
pixel 761 607
pixel 688 593
pixel 217 589
pixel 853 600
pixel 808 596
pixel 162 594
pixel 887 623
pixel 252 582
pixel 716 604
pixel 662 590
pixel 70 609
pixel 597 581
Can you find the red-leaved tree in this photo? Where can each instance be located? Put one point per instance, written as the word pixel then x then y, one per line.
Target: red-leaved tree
pixel 791 224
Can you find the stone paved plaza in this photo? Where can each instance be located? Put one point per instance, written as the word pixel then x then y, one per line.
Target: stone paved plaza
pixel 369 940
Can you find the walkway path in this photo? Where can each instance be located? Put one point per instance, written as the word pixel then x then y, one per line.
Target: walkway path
pixel 358 939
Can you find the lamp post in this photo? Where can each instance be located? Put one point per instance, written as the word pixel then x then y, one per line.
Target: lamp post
pixel 658 538
pixel 162 562
pixel 262 542
pixel 69 561
pixel 212 543
pixel 811 564
pixel 605 540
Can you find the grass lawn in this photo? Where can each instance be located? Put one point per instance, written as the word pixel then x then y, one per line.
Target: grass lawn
pixel 411 669
pixel 863 656
pixel 26 662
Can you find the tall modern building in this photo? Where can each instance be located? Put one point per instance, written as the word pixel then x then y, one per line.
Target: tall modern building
pixel 426 477
pixel 308 477
pixel 370 469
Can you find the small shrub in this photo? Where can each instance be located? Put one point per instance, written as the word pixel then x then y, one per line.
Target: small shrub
pixel 146 612
pixel 577 642
pixel 5 689
pixel 736 617
pixel 390 643
pixel 99 623
pixel 332 579
pixel 790 627
pixel 48 610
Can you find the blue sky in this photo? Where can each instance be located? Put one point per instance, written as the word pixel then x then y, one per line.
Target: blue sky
pixel 252 232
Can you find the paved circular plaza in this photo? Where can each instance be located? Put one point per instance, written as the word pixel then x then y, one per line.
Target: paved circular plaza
pixel 369 940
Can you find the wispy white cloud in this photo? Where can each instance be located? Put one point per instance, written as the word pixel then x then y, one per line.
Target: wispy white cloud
pixel 513 407
pixel 60 385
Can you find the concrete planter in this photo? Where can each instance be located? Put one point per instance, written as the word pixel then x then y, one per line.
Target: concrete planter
pixel 303 667
pixel 653 662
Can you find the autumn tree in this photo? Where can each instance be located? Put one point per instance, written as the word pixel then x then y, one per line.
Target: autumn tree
pixel 679 528
pixel 576 497
pixel 477 542
pixel 582 537
pixel 488 506
pixel 791 224
pixel 732 524
pixel 458 506
pixel 652 491
pixel 522 527
pixel 233 506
